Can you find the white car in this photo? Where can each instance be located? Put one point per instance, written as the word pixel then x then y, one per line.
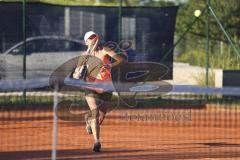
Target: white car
pixel 43 55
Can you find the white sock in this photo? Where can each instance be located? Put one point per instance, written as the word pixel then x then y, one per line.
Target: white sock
pixel 97 141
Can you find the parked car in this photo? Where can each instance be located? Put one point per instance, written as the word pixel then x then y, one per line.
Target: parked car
pixel 43 55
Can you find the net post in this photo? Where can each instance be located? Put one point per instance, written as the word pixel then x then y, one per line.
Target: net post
pixel 55 124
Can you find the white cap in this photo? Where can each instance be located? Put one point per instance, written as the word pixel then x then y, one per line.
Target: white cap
pixel 88 34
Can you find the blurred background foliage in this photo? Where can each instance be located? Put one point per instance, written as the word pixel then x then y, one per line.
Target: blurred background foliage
pixel 192 48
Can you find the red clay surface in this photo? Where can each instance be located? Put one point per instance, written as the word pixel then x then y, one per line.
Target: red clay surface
pixel 156 133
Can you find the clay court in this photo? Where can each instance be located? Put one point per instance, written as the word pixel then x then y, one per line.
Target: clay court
pixel 178 58
pixel 210 132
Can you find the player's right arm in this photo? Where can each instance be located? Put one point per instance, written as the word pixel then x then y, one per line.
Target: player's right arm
pixel 79 68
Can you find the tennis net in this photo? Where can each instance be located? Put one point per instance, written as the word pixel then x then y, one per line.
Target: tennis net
pixel 51 121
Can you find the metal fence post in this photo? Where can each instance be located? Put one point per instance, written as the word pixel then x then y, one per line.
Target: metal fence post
pixel 24 44
pixel 207 44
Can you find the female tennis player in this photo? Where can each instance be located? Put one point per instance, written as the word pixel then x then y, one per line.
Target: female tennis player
pixel 96 98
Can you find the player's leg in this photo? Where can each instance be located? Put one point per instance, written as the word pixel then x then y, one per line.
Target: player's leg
pixel 92 101
pixel 104 105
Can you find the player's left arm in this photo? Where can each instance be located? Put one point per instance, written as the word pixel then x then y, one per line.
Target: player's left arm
pixel 118 59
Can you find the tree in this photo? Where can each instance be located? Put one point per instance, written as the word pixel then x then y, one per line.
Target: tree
pixel 221 54
pixel 228 13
